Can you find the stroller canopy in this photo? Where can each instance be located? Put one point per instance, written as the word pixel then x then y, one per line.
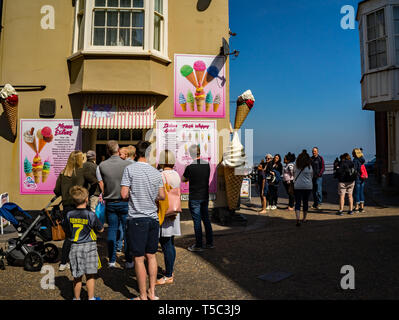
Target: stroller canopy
pixel 10 210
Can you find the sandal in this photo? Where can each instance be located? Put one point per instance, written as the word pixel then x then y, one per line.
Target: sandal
pixel 164 280
pixel 154 298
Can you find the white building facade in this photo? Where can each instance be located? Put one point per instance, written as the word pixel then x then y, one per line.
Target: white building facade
pixel 379 50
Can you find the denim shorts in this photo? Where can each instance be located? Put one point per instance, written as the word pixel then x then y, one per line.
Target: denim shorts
pixel 142 235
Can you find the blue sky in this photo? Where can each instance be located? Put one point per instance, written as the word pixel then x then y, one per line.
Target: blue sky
pixel 304 71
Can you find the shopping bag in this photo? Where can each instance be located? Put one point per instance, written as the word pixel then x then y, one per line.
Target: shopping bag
pixel 100 212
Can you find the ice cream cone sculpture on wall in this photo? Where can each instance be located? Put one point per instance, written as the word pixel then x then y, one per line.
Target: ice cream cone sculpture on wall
pixel 234 159
pixel 245 102
pixel 9 100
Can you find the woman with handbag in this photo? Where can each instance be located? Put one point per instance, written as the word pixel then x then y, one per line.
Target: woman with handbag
pixel 72 175
pixel 303 185
pixel 170 227
pixel 288 179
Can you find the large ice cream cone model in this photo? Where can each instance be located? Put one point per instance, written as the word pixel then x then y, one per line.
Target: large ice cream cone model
pixel 9 100
pixel 233 162
pixel 245 103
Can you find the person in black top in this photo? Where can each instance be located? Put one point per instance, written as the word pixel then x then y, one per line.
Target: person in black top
pixel 197 174
pixel 273 188
pixel 346 174
pixel 91 182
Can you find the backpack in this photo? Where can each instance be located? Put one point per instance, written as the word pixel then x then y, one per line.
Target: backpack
pixel 350 174
pixel 363 172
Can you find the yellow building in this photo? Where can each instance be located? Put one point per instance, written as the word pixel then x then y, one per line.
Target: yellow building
pixel 73 54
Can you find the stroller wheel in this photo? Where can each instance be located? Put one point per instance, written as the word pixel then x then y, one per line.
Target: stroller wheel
pixel 50 253
pixel 33 261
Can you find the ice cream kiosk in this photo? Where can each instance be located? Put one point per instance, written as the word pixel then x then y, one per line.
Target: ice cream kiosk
pixel 124 70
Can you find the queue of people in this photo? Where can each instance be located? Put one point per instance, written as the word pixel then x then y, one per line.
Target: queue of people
pixel 303 176
pixel 131 190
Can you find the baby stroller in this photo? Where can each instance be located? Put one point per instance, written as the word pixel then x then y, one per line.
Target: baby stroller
pixel 27 247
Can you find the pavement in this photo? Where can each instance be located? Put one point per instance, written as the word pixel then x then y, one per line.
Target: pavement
pixel 258 257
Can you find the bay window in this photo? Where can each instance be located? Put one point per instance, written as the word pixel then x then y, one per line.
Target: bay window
pixel 376 40
pixel 121 26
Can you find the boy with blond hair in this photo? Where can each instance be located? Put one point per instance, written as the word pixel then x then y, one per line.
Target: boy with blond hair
pixel 83 225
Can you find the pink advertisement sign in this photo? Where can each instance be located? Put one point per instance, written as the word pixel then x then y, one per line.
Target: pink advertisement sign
pixel 45 146
pixel 199 86
pixel 178 135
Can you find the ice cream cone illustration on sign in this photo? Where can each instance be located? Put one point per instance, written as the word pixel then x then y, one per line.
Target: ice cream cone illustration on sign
pixel 208 101
pixel 188 73
pixel 9 100
pixel 199 67
pixel 211 73
pixel 45 136
pixel 46 170
pixel 190 100
pixel 30 140
pixel 245 102
pixel 37 168
pixel 216 103
pixel 28 168
pixel 182 102
pixel 200 98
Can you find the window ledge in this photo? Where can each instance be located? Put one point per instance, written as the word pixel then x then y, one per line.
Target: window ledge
pixel 151 54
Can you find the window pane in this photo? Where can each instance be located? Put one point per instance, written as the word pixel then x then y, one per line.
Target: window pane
pixel 137 134
pixel 102 134
pixel 125 134
pixel 138 3
pixel 381 46
pixel 100 3
pixel 381 60
pixel 396 12
pixel 112 18
pixel 112 37
pixel 112 3
pixel 99 36
pixel 99 18
pixel 371 35
pixel 137 37
pixel 81 5
pixel 124 37
pixel 113 134
pixel 372 48
pixel 126 3
pixel 397 57
pixel 396 23
pixel 124 19
pixel 397 43
pixel 138 19
pixel 157 32
pixel 158 5
pixel 372 62
pixel 371 20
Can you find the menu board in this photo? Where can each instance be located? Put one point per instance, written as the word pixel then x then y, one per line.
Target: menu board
pixel 178 135
pixel 45 146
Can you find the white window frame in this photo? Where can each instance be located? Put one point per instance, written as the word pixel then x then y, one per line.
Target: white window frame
pixel 367 41
pixel 148 48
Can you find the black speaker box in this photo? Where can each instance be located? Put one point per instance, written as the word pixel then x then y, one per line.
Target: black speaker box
pixel 47 108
